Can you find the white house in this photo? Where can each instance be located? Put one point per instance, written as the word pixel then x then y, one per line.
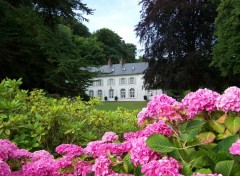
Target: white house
pixel 123 81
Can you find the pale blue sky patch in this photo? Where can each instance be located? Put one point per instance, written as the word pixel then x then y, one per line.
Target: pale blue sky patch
pixel 120 16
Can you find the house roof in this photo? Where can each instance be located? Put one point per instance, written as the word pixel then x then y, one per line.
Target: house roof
pixel 121 69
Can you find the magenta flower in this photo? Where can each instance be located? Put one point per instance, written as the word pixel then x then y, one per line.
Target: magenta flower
pixel 109 137
pixel 159 127
pixel 235 148
pixel 163 166
pixel 4 169
pixel 202 99
pixel 141 153
pixel 229 100
pixel 70 150
pixel 7 149
pixel 102 166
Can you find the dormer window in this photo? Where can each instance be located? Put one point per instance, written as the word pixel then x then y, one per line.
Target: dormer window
pixel 113 69
pixel 124 69
pixel 133 68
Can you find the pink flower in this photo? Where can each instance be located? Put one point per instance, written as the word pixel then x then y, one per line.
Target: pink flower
pixel 109 137
pixel 70 150
pixel 163 166
pixel 4 169
pixel 159 127
pixel 101 166
pixel 235 148
pixel 229 100
pixel 7 149
pixel 83 168
pixel 141 153
pixel 202 99
pixel 22 153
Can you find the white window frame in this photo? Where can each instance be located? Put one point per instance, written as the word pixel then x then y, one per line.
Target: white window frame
pixel 132 80
pixel 91 93
pixel 110 81
pixel 122 81
pixel 111 93
pixel 123 93
pixel 132 93
pixel 99 93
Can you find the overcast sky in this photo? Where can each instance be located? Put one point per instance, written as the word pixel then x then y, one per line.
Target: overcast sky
pixel 121 16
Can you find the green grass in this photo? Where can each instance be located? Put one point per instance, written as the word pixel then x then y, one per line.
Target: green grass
pixel 114 105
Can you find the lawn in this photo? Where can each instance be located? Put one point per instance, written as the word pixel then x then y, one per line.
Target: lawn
pixel 114 105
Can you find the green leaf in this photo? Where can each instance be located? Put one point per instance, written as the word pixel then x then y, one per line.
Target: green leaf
pixel 207 137
pixel 217 127
pixel 226 143
pixel 217 156
pixel 233 124
pixel 224 167
pixel 160 143
pixel 204 171
pixel 186 170
pixel 195 124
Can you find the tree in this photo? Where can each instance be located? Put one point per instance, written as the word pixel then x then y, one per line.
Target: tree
pixel 178 36
pixel 114 46
pixel 226 52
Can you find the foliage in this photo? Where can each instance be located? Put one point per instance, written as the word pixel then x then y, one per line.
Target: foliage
pixel 226 54
pixel 34 121
pixel 178 37
pixel 114 47
pixel 198 136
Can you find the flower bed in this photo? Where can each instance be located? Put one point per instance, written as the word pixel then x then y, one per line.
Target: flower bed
pixel 198 136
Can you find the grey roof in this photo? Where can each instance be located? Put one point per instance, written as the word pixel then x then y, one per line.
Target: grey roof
pixel 121 69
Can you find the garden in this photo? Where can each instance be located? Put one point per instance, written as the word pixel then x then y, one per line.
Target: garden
pixel 44 136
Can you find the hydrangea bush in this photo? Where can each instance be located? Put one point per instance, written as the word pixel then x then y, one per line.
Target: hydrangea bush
pixel 197 137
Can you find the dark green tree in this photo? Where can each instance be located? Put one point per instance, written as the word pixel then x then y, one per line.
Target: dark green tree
pixel 114 46
pixel 178 36
pixel 226 52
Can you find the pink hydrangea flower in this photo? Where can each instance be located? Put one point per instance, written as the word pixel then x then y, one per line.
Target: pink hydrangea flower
pixel 202 99
pixel 22 153
pixel 159 127
pixel 229 100
pixel 83 168
pixel 41 154
pixel 141 153
pixel 109 137
pixel 7 149
pixel 235 148
pixel 101 166
pixel 164 108
pixel 4 169
pixel 70 150
pixel 163 166
pixel 93 148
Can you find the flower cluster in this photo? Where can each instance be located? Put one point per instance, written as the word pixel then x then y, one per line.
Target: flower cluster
pixel 109 137
pixel 163 166
pixel 164 108
pixel 229 100
pixel 202 99
pixel 235 148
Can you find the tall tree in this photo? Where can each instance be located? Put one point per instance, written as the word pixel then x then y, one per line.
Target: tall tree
pixel 178 36
pixel 114 46
pixel 226 52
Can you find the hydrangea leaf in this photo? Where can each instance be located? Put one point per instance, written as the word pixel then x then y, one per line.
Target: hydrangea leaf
pixel 233 124
pixel 160 143
pixel 207 137
pixel 224 167
pixel 217 126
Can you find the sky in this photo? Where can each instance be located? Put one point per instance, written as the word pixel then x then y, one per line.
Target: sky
pixel 120 16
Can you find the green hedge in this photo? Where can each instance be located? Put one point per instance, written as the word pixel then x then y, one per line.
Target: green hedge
pixel 34 121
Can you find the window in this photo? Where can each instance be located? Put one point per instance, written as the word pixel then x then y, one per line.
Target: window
pixel 99 82
pixel 123 93
pixel 131 80
pixel 111 93
pixel 132 93
pixel 111 81
pixel 122 81
pixel 99 93
pixel 91 93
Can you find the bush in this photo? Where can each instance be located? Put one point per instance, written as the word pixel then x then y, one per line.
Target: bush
pixel 34 121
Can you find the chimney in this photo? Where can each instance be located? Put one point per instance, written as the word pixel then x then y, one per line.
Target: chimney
pixel 121 61
pixel 110 62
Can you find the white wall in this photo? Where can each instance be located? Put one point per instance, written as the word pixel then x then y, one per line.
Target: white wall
pixel 116 87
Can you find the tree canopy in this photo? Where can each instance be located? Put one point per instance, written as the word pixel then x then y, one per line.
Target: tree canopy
pixel 178 37
pixel 226 52
pixel 45 44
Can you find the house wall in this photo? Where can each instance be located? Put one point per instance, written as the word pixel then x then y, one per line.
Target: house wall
pixel 133 87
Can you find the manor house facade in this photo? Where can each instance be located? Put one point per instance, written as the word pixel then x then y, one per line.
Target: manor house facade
pixel 121 82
